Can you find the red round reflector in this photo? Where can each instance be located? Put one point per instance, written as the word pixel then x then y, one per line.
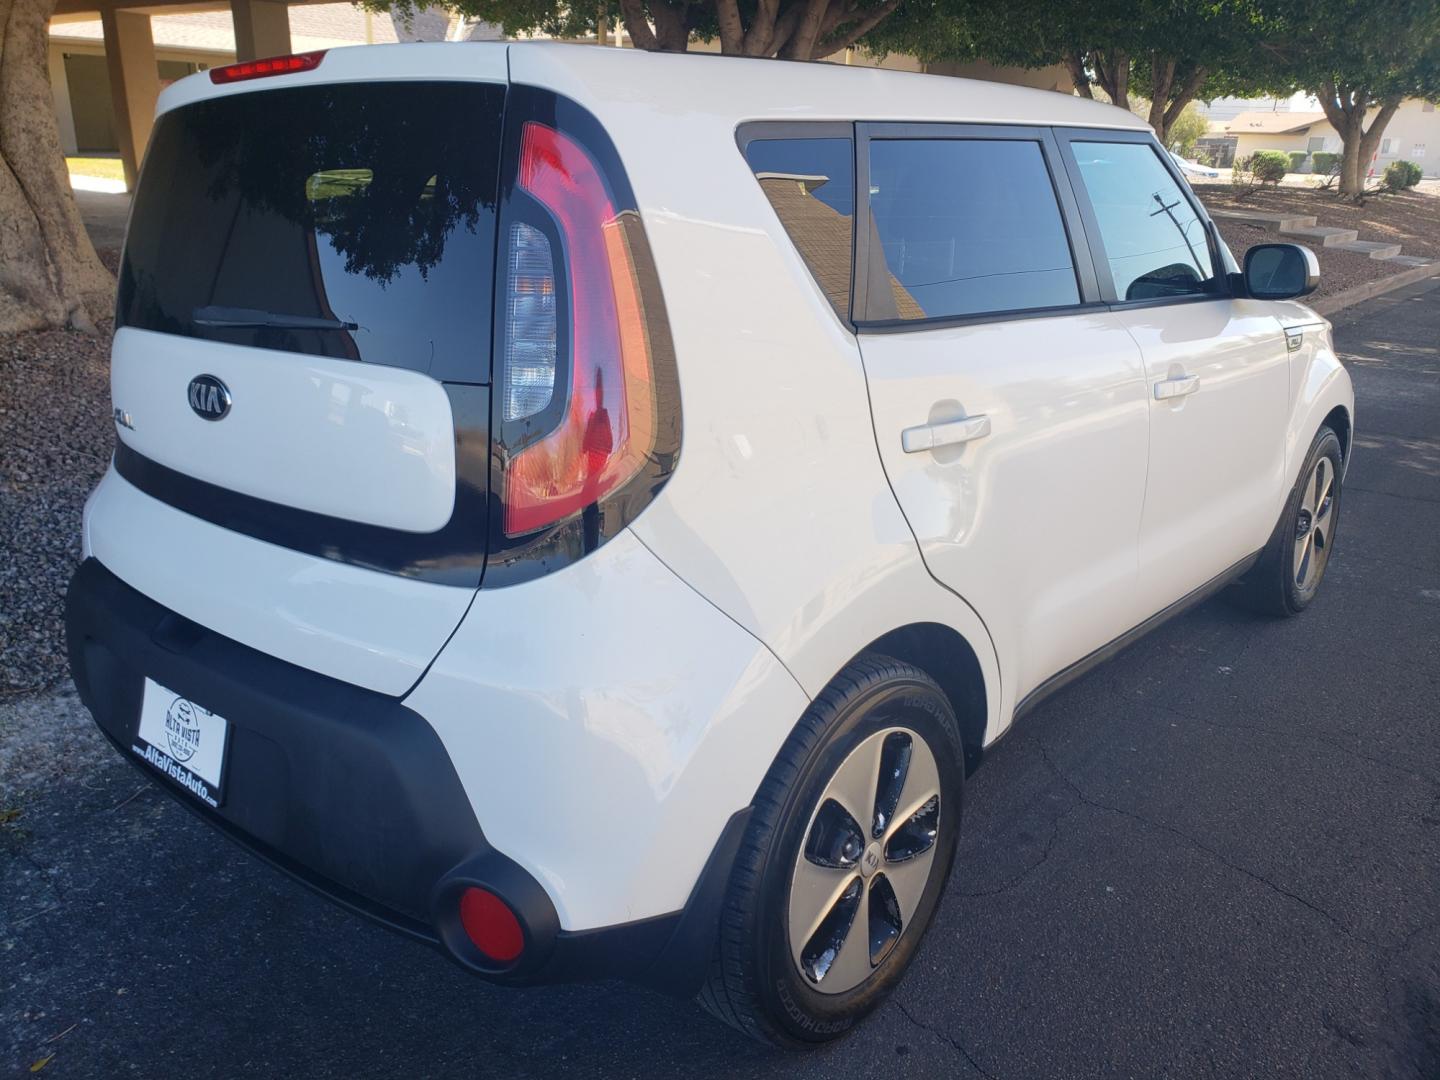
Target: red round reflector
pixel 491 925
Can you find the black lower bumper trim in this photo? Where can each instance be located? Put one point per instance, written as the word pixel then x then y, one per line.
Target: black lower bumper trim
pixel 354 794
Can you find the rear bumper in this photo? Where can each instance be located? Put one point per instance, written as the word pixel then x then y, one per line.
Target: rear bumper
pixel 354 794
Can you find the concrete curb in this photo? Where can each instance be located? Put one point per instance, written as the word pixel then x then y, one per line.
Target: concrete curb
pixel 1328 305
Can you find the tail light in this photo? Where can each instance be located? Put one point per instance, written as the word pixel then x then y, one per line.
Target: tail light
pixel 586 378
pixel 272 65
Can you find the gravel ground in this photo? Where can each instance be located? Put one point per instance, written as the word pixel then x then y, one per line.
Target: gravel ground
pixel 1411 218
pixel 58 437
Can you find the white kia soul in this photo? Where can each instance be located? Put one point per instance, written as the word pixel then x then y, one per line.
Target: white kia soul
pixel 583 508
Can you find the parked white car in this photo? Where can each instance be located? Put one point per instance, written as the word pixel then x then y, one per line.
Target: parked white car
pixel 583 508
pixel 1193 168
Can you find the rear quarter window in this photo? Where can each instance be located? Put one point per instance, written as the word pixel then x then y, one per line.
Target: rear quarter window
pixel 350 220
pixel 811 185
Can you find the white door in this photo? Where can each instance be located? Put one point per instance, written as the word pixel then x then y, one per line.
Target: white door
pixel 1217 369
pixel 1010 413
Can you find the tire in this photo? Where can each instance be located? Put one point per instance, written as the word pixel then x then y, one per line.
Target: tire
pixel 1283 582
pixel 879 717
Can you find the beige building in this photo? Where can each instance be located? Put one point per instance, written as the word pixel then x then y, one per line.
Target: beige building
pixel 1413 134
pixel 183 44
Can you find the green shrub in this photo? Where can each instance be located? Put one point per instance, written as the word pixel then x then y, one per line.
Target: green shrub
pixel 1297 160
pixel 1400 175
pixel 1242 176
pixel 1269 166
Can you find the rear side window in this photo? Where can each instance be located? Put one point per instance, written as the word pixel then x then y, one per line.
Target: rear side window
pixel 967 227
pixel 1155 244
pixel 811 185
pixel 353 220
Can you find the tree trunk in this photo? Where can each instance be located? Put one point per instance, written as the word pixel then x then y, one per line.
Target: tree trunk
pixel 732 30
pixel 844 28
pixel 807 33
pixel 49 273
pixel 804 30
pixel 632 13
pixel 1075 64
pixel 1172 89
pixel 1112 72
pixel 1162 78
pixel 672 26
pixel 1352 177
pixel 1345 107
pixel 1370 139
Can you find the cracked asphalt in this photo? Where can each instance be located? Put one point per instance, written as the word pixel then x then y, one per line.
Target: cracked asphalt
pixel 1218 855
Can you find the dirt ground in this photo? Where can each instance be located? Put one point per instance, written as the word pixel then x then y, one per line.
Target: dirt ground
pixel 1411 218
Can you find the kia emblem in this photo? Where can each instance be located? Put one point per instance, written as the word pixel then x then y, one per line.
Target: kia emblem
pixel 209 397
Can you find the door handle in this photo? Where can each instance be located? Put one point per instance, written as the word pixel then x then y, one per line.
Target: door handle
pixel 1179 386
pixel 946 433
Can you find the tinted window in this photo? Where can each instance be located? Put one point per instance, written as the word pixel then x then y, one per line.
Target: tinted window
pixel 811 185
pixel 371 205
pixel 1155 243
pixel 966 226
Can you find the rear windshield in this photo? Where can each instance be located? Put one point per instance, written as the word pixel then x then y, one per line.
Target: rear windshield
pixel 352 221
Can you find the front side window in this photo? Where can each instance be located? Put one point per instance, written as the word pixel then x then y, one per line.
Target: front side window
pixel 1154 242
pixel 966 227
pixel 811 185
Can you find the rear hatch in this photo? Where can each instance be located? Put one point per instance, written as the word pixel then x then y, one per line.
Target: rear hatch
pixel 302 353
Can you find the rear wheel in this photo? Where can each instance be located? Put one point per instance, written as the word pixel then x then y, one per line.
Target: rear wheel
pixel 844 861
pixel 1289 573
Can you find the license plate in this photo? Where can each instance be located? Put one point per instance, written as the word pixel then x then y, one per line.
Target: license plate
pixel 183 740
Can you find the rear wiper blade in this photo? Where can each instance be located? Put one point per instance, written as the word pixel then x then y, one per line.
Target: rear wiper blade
pixel 239 317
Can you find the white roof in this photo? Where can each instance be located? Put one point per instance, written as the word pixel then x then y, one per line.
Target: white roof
pixel 724 89
pixel 790 90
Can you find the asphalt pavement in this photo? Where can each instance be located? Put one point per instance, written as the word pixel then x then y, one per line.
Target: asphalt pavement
pixel 1218 855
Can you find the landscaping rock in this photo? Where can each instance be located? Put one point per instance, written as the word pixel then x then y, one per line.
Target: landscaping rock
pixel 57 442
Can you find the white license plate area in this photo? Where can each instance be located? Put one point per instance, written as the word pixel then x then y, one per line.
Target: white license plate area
pixel 184 741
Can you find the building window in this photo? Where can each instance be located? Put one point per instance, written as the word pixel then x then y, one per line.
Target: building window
pixel 1385 149
pixel 1316 144
pixel 1418 150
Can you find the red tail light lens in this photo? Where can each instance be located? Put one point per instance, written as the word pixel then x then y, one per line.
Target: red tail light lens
pixel 491 926
pixel 272 65
pixel 607 431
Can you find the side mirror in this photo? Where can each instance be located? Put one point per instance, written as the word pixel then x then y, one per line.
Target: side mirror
pixel 1280 271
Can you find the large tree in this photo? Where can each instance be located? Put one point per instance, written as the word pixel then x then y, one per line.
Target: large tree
pixel 49 274
pixel 1362 60
pixel 1165 52
pixel 793 29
